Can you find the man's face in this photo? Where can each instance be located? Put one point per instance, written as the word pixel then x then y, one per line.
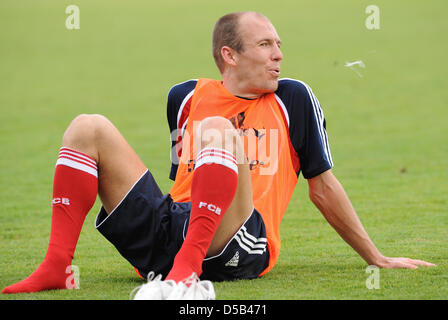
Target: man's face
pixel 258 65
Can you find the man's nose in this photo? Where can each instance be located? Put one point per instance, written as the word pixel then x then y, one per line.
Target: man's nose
pixel 277 55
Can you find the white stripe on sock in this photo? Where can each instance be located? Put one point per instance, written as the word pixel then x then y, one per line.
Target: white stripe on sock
pixel 218 156
pixel 77 165
pixel 77 154
pixel 66 156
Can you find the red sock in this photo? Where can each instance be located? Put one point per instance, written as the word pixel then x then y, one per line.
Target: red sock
pixel 213 188
pixel 75 188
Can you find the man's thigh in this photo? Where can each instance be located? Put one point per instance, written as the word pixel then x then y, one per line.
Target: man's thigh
pixel 119 167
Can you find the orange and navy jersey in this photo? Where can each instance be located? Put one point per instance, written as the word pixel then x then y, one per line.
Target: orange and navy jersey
pixel 283 134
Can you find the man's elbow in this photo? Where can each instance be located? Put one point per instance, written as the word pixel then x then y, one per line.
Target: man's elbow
pixel 316 196
pixel 321 188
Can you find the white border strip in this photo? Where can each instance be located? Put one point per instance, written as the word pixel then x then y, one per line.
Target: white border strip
pixel 282 105
pixel 184 102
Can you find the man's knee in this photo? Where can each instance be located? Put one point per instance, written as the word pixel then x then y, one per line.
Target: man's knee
pixel 218 132
pixel 83 131
pixel 216 122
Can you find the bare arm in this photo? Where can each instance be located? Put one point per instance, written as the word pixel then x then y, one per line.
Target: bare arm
pixel 330 198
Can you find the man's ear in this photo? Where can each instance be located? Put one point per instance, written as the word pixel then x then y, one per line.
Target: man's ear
pixel 229 55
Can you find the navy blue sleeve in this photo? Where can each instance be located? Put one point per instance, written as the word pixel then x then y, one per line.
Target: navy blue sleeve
pixel 307 127
pixel 177 98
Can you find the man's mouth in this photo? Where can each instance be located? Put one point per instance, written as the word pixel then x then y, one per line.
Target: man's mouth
pixel 275 72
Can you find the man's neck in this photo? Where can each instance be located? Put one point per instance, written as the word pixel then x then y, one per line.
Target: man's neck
pixel 237 88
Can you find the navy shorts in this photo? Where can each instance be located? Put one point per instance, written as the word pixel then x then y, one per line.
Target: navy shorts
pixel 148 229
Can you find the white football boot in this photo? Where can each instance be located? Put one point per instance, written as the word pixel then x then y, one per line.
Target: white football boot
pixel 154 289
pixel 193 288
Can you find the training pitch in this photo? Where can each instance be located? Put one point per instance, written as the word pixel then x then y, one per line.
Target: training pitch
pixel 380 77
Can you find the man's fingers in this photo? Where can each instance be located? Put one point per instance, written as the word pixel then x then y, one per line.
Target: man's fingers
pixel 407 263
pixel 422 263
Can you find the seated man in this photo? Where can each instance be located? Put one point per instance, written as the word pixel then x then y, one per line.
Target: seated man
pixel 240 146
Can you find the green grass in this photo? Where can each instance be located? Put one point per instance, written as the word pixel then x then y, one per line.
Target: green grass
pixel 387 131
